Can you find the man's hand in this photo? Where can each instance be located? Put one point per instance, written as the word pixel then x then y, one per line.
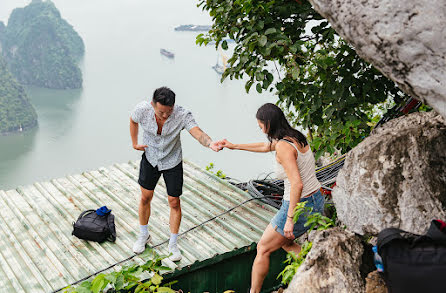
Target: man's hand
pixel 226 144
pixel 215 146
pixel 139 147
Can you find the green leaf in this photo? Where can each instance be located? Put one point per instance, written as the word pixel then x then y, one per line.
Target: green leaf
pixel 147 254
pixel 165 290
pixel 156 279
pixel 262 40
pixel 295 72
pixel 139 288
pixel 330 111
pixel 119 282
pixel 260 24
pixel 248 85
pixel 111 278
pixel 82 290
pixel 224 45
pixel 271 30
pixel 98 284
pixel 164 268
pixel 259 88
pixel 85 284
pixel 260 76
pixel 269 77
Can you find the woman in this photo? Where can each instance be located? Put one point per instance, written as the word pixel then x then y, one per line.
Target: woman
pixel 296 166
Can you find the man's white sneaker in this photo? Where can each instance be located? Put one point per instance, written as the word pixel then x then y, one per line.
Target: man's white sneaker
pixel 140 243
pixel 175 254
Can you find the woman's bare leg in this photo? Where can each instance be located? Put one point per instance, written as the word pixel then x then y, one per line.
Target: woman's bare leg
pixel 270 242
pixel 291 246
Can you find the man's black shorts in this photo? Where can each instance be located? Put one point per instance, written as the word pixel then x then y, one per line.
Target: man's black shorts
pixel 149 176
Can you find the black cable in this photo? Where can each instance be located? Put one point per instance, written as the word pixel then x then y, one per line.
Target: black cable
pixel 268 175
pixel 164 242
pixel 275 187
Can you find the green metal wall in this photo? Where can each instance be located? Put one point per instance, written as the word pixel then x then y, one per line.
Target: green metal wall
pixel 230 271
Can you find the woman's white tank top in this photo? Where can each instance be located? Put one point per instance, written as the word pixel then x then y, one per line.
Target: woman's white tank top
pixel 307 169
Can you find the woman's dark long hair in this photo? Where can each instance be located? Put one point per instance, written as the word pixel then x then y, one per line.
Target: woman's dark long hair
pixel 277 127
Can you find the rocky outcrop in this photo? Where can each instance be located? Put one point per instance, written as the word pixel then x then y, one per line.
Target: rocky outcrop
pixel 396 177
pixel 374 283
pixel 332 265
pixel 405 40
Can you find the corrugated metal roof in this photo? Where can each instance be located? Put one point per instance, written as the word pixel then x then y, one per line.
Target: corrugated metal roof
pixel 39 254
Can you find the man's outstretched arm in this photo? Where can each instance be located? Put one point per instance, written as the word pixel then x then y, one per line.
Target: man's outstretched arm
pixel 204 139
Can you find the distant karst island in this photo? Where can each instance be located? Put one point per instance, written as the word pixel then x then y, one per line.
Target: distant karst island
pixel 16 112
pixel 40 48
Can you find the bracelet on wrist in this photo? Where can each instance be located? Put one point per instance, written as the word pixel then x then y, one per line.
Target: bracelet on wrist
pixel 289 216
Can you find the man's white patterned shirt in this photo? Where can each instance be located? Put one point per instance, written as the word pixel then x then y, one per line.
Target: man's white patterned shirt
pixel 163 150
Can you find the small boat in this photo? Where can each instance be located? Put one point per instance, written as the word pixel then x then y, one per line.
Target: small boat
pixel 229 41
pixel 193 27
pixel 167 53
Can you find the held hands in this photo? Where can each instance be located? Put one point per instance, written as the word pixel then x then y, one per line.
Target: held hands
pixel 215 146
pixel 139 147
pixel 221 144
pixel 224 143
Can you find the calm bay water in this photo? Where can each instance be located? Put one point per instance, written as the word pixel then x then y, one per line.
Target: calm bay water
pixel 86 129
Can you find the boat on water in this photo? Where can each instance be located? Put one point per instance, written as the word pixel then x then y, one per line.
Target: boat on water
pixel 229 41
pixel 167 53
pixel 193 28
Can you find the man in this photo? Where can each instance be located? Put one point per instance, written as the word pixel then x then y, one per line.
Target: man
pixel 162 122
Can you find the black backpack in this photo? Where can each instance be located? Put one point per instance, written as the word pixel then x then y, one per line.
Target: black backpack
pixel 91 226
pixel 414 263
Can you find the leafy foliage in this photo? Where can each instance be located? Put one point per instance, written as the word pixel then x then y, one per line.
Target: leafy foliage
pixel 15 109
pixel 314 220
pixel 129 278
pixel 294 263
pixel 321 82
pixel 41 48
pixel 219 173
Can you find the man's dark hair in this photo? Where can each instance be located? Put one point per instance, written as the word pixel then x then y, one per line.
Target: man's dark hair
pixel 165 96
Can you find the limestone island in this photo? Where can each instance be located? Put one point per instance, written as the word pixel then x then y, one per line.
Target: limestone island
pixel 40 48
pixel 16 112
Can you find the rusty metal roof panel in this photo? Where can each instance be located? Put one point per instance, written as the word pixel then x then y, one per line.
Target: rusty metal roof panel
pixel 39 254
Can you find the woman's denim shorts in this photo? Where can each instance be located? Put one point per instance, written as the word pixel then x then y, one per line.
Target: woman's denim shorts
pixel 316 201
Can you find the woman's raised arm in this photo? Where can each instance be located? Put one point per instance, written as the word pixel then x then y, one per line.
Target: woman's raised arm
pixel 258 147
